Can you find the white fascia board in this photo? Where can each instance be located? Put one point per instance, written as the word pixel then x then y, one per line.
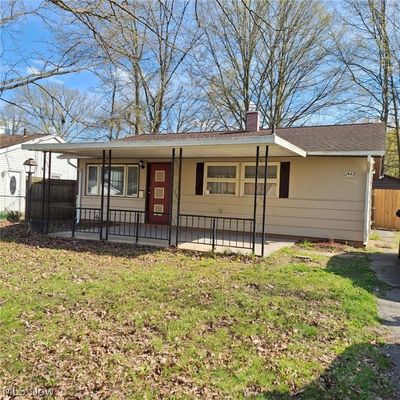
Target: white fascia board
pixel 289 146
pixel 354 153
pixel 225 141
pixel 60 147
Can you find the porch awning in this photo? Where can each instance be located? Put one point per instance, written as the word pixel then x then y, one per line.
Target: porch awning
pixel 192 148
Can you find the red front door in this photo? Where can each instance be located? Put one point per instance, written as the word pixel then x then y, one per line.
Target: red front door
pixel 158 193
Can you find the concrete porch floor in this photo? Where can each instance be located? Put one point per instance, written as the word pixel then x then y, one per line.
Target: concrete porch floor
pixel 270 246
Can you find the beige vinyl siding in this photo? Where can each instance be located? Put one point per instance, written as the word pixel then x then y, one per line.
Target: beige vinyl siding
pixel 322 201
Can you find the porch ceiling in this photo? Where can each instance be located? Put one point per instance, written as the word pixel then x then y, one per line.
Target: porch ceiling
pixel 210 149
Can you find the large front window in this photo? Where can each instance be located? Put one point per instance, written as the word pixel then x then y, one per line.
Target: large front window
pixel 249 179
pixel 221 178
pixel 124 180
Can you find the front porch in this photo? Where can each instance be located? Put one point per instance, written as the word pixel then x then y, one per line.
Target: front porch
pixel 193 232
pixel 209 197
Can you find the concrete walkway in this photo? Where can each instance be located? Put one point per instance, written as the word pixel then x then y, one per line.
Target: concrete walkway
pixel 386 265
pixel 271 245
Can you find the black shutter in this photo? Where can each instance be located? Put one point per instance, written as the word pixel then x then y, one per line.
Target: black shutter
pixel 284 180
pixel 199 178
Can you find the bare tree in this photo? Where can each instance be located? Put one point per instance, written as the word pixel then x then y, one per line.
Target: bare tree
pixel 12 119
pixel 55 109
pixel 272 54
pixel 149 42
pixel 116 115
pixel 394 43
pixel 17 68
pixel 168 48
pixel 371 60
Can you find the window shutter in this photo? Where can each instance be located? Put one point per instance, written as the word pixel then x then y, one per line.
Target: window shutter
pixel 199 178
pixel 284 180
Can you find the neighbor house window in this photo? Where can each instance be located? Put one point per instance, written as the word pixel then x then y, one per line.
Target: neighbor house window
pixel 124 180
pixel 249 179
pixel 221 178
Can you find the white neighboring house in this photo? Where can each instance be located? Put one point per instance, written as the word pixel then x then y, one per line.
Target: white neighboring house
pixel 12 172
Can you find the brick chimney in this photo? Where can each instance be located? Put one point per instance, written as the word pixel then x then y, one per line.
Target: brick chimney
pixel 252 121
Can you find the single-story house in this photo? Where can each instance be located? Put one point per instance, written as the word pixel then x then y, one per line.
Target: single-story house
pixel 12 171
pixel 231 188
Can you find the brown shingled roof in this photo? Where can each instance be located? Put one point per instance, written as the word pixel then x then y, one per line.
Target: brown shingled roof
pixel 193 135
pixel 349 137
pixel 11 140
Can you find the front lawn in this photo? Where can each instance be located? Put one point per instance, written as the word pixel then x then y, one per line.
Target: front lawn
pixel 92 320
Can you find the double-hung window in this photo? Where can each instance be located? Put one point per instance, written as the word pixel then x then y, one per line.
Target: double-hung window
pixel 249 179
pixel 124 180
pixel 221 178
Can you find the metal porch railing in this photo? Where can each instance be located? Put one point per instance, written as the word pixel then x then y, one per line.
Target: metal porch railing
pixel 198 229
pixel 216 231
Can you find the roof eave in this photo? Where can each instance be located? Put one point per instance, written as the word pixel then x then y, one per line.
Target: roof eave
pixel 290 146
pixel 226 141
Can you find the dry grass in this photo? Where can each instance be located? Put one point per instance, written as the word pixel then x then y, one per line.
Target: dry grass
pixel 91 320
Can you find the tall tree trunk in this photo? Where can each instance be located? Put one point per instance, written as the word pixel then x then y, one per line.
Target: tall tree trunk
pixel 396 121
pixel 137 105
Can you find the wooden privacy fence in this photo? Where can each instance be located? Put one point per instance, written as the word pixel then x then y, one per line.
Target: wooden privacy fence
pixel 385 204
pixel 62 197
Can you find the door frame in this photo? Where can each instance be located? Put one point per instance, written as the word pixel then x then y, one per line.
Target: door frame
pixel 148 179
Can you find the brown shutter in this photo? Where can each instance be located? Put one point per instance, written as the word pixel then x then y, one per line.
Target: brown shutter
pixel 284 180
pixel 199 178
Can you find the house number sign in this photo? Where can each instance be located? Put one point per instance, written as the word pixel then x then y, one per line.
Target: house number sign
pixel 349 174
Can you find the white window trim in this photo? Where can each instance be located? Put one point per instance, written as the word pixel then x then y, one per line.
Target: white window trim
pixel 125 166
pixel 260 180
pixel 230 180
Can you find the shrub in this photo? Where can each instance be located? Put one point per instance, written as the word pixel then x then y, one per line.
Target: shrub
pixel 11 216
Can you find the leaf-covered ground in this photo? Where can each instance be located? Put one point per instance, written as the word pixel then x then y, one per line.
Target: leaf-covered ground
pixel 94 320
